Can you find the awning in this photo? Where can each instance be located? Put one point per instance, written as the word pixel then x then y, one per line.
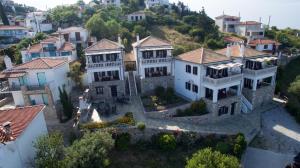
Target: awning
pixel 224 66
pixel 264 59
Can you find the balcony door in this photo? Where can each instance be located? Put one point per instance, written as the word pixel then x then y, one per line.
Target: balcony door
pixel 114 91
pixel 41 76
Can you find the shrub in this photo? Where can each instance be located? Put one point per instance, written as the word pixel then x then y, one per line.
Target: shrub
pixel 169 94
pixel 240 145
pixel 223 147
pixel 167 142
pixel 123 141
pixel 141 126
pixel 159 91
pixel 196 108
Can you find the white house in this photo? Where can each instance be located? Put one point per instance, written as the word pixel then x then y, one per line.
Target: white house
pixel 78 36
pixel 36 81
pixel 259 75
pixel 215 78
pixel 265 45
pixel 116 3
pixel 136 16
pixel 38 22
pixel 154 63
pixel 227 23
pixel 12 34
pixel 251 29
pixel 105 69
pixel 151 3
pixel 19 130
pixel 51 47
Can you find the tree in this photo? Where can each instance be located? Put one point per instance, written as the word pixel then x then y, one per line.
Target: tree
pixel 206 158
pixel 76 74
pixel 3 15
pixel 96 26
pixel 66 102
pixel 90 151
pixel 114 28
pixel 65 15
pixel 49 151
pixel 138 29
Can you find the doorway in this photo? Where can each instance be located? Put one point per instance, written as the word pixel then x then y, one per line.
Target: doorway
pixel 114 91
pixel 232 108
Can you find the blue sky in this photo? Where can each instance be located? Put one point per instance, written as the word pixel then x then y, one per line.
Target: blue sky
pixel 284 13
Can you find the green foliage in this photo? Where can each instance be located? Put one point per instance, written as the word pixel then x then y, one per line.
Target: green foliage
pixel 223 147
pixel 66 102
pixel 141 31
pixel 90 151
pixel 65 16
pixel 206 158
pixel 239 146
pixel 215 44
pixel 76 74
pixel 159 91
pixel 166 142
pixel 123 141
pixel 49 151
pixel 196 108
pixel 294 87
pixel 141 126
pixel 96 26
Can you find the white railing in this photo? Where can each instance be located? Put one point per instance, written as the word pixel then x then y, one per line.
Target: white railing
pixel 156 60
pixel 104 64
pixel 271 69
pixel 246 105
pixel 222 81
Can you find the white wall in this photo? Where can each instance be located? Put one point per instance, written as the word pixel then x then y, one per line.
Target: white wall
pixel 260 47
pixel 37 98
pixel 19 153
pixel 18 98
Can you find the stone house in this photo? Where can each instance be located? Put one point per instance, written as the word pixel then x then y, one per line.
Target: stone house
pixel 136 16
pixel 152 3
pixel 19 129
pixel 116 3
pixel 105 69
pixel 270 46
pixel 35 82
pixel 154 62
pixel 51 47
pixel 215 78
pixel 259 75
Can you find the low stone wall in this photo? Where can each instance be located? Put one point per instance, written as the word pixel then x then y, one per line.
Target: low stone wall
pixel 166 113
pixel 193 119
pixel 106 88
pixel 214 107
pixel 147 85
pixel 260 97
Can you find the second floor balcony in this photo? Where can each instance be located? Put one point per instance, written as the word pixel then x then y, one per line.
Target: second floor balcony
pixel 222 81
pixel 156 60
pixel 104 64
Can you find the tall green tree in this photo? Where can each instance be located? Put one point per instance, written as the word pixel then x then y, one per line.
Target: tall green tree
pixel 207 158
pixel 3 15
pixel 96 26
pixel 76 74
pixel 66 102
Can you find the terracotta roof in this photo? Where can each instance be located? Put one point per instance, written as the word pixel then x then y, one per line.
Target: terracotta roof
pixel 11 74
pixel 20 118
pixel 104 44
pixel 202 56
pixel 227 16
pixel 233 39
pixel 250 23
pixel 67 47
pixel 263 41
pixel 4 27
pixel 236 52
pixel 129 57
pixel 151 41
pixel 42 63
pixel 50 39
pixel 36 48
pixel 69 30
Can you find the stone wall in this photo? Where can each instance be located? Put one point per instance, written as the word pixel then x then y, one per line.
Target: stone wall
pixel 106 89
pixel 214 107
pixel 260 97
pixel 147 85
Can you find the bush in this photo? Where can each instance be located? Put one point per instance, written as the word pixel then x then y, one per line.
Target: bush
pixel 141 126
pixel 240 145
pixel 159 91
pixel 223 147
pixel 169 94
pixel 196 108
pixel 123 141
pixel 167 142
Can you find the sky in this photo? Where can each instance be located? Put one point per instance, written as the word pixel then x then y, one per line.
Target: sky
pixel 284 13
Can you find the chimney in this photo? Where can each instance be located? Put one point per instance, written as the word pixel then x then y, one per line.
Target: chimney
pixel 242 50
pixel 119 40
pixel 138 38
pixel 7 127
pixel 228 51
pixel 8 62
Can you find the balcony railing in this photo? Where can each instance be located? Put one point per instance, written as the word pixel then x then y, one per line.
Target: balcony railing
pixel 5 88
pixel 104 64
pixel 222 81
pixel 108 78
pixel 270 69
pixel 156 60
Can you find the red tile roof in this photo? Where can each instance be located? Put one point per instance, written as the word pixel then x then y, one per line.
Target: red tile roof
pixel 20 118
pixel 104 44
pixel 4 27
pixel 50 39
pixel 67 47
pixel 36 48
pixel 263 41
pixel 236 52
pixel 151 41
pixel 202 56
pixel 42 63
pixel 129 57
pixel 12 74
pixel 233 39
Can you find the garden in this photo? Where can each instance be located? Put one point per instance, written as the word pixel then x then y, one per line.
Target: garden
pixel 161 99
pixel 197 108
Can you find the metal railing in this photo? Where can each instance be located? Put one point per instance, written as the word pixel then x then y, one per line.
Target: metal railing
pixel 156 60
pixel 269 69
pixel 104 64
pixel 222 81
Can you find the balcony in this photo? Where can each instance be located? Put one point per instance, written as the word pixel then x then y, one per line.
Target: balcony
pixel 104 64
pixel 260 72
pixel 76 39
pixel 156 60
pixel 108 78
pixel 222 81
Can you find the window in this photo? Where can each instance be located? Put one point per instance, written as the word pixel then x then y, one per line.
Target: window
pixel 265 47
pixel 195 88
pixel 195 70
pixel 188 68
pixel 99 90
pixel 161 53
pixel 248 83
pixel 132 18
pixel 187 86
pixel 97 58
pixel 147 54
pixel 223 110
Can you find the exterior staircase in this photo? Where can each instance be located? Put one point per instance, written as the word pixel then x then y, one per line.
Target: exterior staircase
pixel 132 84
